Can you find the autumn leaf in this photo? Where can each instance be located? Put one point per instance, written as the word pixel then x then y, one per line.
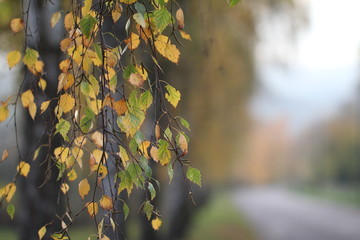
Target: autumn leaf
pixel 180 18
pixel 66 102
pixel 139 19
pixel 13 58
pixel 92 208
pixel 106 202
pixel 55 19
pixel 184 35
pixel 42 84
pixel 42 232
pixel 84 188
pixel 4 111
pixel 157 131
pixel 16 25
pixel 97 138
pixel 173 95
pixel 144 148
pixel 136 80
pixel 133 41
pixel 5 155
pixel 27 98
pixel 128 1
pixel 156 223
pixel 154 152
pixel 72 175
pixel 64 188
pixel 69 21
pixel 123 155
pixel 86 8
pixel 23 168
pixel 32 110
pixel 30 57
pixel 120 107
pixel 166 49
pixel 163 152
pixel 8 191
pixel 63 127
pixel 116 12
pixel 44 106
pixel 183 143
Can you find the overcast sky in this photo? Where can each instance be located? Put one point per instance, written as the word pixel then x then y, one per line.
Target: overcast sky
pixel 321 68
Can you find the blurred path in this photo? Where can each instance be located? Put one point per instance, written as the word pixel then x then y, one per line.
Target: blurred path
pixel 277 214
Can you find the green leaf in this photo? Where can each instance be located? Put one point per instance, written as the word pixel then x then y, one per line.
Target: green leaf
pixel 135 173
pixel 86 121
pixel 173 95
pixel 125 182
pixel 30 57
pixel 161 3
pixel 98 51
pixel 144 163
pixel 233 2
pixel 61 167
pixel 194 175
pixel 140 8
pixel 63 127
pixel 162 19
pixel 87 24
pixel 168 134
pixel 11 210
pixel 128 71
pixel 164 152
pixel 185 123
pixel 139 137
pixel 146 100
pixel 126 210
pixel 133 146
pixel 132 121
pixel 170 171
pixel 147 209
pixel 151 190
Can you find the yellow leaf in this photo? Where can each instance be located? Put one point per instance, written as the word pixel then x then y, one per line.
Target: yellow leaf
pixel 23 168
pixel 93 57
pixel 136 80
pixel 133 41
pixel 128 1
pixel 55 18
pixel 64 188
pixel 39 66
pixel 16 25
pixel 92 208
pixel 66 102
pixel 44 106
pixel 4 111
pixel 27 98
pixel 84 188
pixel 42 232
pixel 156 223
pixel 77 153
pixel 123 155
pixel 13 58
pixel 32 110
pixel 154 152
pixel 98 154
pixel 42 84
pixel 80 141
pixel 86 8
pixel 8 191
pixel 5 155
pixel 180 18
pixel 144 148
pixel 105 237
pixel 116 12
pixel 166 49
pixel 69 21
pixel 66 80
pixel 72 175
pixel 106 202
pixel 65 44
pixel 140 70
pixel 184 35
pixel 65 65
pixel 61 154
pixel 97 138
pixel 120 107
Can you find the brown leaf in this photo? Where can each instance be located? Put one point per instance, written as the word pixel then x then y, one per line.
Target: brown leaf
pixel 180 18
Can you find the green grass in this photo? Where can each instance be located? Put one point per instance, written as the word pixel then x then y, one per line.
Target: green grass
pixel 220 220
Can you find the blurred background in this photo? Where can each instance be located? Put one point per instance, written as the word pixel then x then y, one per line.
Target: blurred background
pixel 271 90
